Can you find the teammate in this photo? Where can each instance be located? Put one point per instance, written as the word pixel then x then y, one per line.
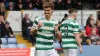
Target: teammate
pixel 70 34
pixel 44 28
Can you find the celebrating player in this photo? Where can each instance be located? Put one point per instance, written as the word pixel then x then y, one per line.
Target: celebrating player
pixel 44 28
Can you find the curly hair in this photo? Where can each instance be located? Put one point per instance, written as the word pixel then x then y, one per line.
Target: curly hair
pixel 48 5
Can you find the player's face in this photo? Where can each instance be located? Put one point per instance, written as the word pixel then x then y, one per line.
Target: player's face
pixel 48 12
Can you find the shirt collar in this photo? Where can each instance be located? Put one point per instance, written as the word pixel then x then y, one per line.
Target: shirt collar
pixel 71 18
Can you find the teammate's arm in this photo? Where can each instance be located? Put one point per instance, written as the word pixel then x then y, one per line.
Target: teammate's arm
pixel 57 32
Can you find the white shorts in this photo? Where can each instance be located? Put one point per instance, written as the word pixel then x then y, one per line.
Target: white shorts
pixel 70 52
pixel 51 52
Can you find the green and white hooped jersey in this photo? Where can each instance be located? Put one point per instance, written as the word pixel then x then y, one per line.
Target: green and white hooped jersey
pixel 45 34
pixel 68 28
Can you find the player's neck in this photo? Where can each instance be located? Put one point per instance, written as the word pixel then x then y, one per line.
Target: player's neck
pixel 72 17
pixel 48 18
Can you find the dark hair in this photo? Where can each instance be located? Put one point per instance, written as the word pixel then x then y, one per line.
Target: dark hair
pixel 99 15
pixel 0 41
pixel 7 22
pixel 72 10
pixel 66 15
pixel 48 5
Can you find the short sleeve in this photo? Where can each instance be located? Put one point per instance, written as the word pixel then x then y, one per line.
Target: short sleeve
pixel 75 27
pixel 56 22
pixel 35 23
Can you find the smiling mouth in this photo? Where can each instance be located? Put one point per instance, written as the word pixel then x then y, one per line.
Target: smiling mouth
pixel 46 13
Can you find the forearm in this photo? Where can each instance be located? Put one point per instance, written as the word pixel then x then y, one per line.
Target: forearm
pixel 33 31
pixel 78 40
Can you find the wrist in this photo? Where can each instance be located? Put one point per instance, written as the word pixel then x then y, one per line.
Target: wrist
pixel 80 45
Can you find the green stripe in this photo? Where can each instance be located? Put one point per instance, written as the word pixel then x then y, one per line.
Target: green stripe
pixel 69 42
pixel 44 37
pixel 35 22
pixel 70 25
pixel 76 31
pixel 51 31
pixel 66 24
pixel 69 31
pixel 48 24
pixel 68 37
pixel 44 48
pixel 44 43
pixel 75 26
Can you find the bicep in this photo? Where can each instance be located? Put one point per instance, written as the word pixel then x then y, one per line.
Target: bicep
pixel 35 23
pixel 76 35
pixel 75 28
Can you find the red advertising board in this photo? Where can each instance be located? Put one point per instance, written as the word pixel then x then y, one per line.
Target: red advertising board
pixel 15 52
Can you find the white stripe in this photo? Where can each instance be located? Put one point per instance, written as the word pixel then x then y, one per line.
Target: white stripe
pixel 69 45
pixel 44 40
pixel 38 18
pixel 76 32
pixel 64 40
pixel 74 23
pixel 69 28
pixel 44 27
pixel 43 46
pixel 33 26
pixel 47 35
pixel 71 22
pixel 75 29
pixel 52 22
pixel 70 34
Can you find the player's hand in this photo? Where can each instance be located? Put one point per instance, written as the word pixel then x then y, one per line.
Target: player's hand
pixel 40 24
pixel 80 48
pixel 33 31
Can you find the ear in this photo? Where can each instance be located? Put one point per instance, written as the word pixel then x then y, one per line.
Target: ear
pixel 52 11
